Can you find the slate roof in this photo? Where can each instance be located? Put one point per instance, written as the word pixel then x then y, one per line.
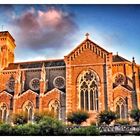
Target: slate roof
pixel 36 64
pixel 117 58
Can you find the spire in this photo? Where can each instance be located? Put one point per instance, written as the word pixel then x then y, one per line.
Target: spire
pixel 133 59
pixel 117 53
pixel 87 35
pixel 43 72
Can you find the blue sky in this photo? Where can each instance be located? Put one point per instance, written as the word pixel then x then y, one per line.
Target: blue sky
pixel 52 31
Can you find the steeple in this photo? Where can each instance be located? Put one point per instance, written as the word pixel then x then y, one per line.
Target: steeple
pixel 7 47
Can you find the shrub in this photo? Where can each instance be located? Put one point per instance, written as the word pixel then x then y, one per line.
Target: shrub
pixel 20 118
pixel 107 117
pixel 85 131
pixel 77 117
pixel 51 127
pixel 26 130
pixel 5 129
pixel 135 114
pixel 39 115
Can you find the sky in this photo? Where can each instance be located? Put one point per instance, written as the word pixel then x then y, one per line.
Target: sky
pixel 53 31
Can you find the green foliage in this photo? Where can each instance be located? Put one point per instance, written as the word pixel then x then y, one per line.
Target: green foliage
pixel 26 130
pixel 135 114
pixel 20 118
pixel 5 129
pixel 107 117
pixel 77 117
pixel 85 131
pixel 51 127
pixel 39 115
pixel 122 122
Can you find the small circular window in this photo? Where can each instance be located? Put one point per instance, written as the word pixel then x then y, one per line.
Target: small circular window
pixel 119 79
pixel 34 84
pixel 59 82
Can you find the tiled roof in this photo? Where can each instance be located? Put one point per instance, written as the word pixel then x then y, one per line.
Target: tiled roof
pixel 117 58
pixel 36 64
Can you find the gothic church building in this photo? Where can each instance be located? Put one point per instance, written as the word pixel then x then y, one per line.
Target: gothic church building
pixel 88 78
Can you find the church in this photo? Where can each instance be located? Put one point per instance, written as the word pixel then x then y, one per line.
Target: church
pixel 88 78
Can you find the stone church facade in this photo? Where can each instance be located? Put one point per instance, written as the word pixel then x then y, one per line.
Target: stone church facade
pixel 88 78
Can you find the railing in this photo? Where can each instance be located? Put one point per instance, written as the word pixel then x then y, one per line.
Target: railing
pixel 120 130
pixel 115 130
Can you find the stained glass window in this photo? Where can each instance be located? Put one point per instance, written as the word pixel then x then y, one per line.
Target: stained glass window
pixel 54 107
pixel 121 108
pixel 35 84
pixel 119 79
pixel 88 89
pixel 59 82
pixel 3 112
pixel 28 108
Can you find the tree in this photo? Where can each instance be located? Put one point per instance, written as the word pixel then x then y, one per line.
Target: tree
pixel 135 114
pixel 77 117
pixel 107 117
pixel 51 127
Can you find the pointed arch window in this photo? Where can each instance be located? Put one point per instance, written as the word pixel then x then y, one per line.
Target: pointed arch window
pixel 55 108
pixel 3 112
pixel 28 108
pixel 88 90
pixel 121 108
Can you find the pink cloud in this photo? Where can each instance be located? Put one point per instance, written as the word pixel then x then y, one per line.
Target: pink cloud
pixel 42 29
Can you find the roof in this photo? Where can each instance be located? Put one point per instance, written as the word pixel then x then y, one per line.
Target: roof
pixel 36 64
pixel 117 58
pixel 87 40
pixel 125 86
pixel 6 34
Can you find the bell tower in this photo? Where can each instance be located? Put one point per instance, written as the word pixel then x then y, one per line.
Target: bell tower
pixel 7 47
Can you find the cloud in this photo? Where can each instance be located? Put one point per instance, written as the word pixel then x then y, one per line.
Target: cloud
pixel 38 30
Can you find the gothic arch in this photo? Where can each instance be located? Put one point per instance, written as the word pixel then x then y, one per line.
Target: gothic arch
pixel 54 106
pixel 3 111
pixel 82 71
pixel 28 108
pixel 88 90
pixel 121 107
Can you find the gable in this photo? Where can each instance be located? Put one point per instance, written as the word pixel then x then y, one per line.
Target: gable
pixel 55 90
pixel 87 52
pixel 6 94
pixel 28 93
pixel 122 88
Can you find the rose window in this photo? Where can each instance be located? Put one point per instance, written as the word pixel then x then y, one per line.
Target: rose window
pixel 119 79
pixel 35 84
pixel 10 84
pixel 59 82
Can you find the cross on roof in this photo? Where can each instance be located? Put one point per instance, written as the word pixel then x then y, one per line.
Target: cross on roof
pixel 87 35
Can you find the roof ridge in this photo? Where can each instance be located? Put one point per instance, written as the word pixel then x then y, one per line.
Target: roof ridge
pixel 37 61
